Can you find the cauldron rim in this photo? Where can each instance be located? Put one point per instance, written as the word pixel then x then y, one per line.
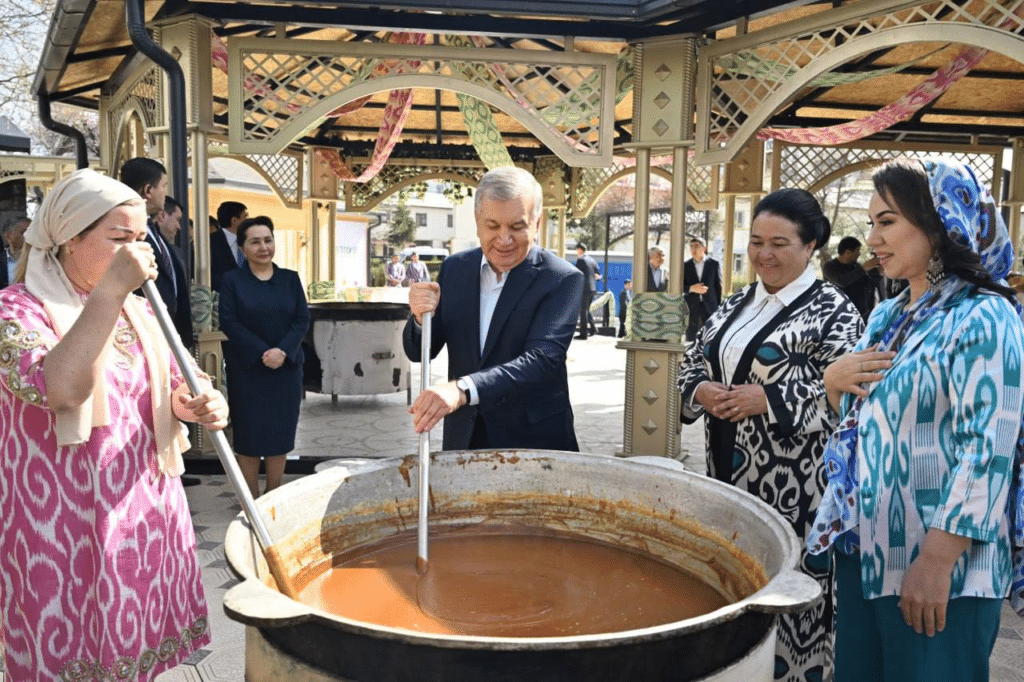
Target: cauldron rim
pixel 765 599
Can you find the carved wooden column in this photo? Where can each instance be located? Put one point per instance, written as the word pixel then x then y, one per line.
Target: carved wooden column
pixel 663 101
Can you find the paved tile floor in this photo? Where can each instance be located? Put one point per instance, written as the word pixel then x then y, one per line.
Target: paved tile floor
pixel 378 426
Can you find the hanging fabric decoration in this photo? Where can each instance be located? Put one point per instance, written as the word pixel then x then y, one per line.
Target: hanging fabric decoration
pixel 483 129
pixel 483 132
pixel 480 124
pixel 251 82
pixel 900 110
pixel 774 71
pixel 395 113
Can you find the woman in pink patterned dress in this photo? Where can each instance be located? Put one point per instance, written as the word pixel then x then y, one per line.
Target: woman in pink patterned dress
pixel 99 578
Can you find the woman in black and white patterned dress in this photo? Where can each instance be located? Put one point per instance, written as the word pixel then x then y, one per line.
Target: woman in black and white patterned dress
pixel 755 372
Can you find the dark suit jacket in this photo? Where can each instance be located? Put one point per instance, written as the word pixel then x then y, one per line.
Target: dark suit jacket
pixel 3 267
pixel 520 376
pixel 180 305
pixel 222 259
pixel 624 300
pixel 588 266
pixel 712 277
pixel 650 278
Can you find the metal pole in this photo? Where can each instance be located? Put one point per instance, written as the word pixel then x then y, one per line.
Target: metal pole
pixel 220 443
pixel 424 497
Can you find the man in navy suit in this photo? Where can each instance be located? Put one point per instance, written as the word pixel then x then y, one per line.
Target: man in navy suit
pixel 657 273
pixel 224 252
pixel 702 283
pixel 625 300
pixel 507 312
pixel 149 179
pixel 588 266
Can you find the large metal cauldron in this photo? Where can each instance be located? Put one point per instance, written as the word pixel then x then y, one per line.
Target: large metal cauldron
pixel 729 539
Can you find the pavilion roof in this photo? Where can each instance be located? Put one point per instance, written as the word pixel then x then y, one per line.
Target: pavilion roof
pixel 88 47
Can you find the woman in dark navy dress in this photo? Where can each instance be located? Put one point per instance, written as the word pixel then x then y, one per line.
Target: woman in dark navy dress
pixel 264 315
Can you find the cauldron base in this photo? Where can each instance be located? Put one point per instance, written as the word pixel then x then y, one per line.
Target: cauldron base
pixel 264 662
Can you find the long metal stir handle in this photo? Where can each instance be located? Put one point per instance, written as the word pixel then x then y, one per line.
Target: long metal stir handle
pixel 220 443
pixel 421 531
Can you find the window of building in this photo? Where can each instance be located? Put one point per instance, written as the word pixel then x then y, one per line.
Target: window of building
pixel 421 219
pixel 451 220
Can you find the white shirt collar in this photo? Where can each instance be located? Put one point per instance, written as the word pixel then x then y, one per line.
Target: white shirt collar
pixel 791 291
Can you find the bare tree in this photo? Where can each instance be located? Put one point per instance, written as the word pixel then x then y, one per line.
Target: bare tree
pixel 25 24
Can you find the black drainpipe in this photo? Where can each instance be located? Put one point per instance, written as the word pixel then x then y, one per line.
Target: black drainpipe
pixel 82 153
pixel 176 125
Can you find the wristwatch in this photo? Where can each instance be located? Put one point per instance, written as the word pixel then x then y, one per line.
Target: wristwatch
pixel 464 386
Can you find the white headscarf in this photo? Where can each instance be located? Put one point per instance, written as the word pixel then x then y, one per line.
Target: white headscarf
pixel 75 203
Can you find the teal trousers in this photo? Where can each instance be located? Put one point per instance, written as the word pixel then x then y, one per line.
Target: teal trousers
pixel 873 642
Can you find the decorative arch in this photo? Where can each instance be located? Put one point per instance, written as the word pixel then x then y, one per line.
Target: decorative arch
pixel 730 114
pixel 132 129
pixel 283 172
pixel 812 167
pixel 590 184
pixel 258 96
pixel 396 177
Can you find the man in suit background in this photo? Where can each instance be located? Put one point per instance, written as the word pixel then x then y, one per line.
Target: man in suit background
pixel 224 252
pixel 657 273
pixel 168 221
pixel 702 282
pixel 13 233
pixel 625 300
pixel 858 281
pixel 149 179
pixel 506 311
pixel 416 271
pixel 588 266
pixel 394 272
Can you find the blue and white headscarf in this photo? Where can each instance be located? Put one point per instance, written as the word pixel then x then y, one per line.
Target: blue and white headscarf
pixel 970 217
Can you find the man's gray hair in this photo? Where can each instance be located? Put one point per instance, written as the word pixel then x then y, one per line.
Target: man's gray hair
pixel 507 183
pixel 9 224
pixel 655 249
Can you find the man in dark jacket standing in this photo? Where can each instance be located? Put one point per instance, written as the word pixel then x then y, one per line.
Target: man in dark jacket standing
pixel 702 283
pixel 506 311
pixel 149 179
pixel 588 266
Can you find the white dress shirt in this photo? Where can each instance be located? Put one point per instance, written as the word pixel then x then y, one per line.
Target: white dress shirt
pixel 490 291
pixel 751 319
pixel 233 243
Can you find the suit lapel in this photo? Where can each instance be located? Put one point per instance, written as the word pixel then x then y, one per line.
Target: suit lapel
pixel 519 280
pixel 470 298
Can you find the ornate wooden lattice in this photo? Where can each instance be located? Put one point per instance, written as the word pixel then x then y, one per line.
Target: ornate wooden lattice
pixel 553 178
pixel 812 167
pixel 282 171
pixel 362 197
pixel 590 183
pixel 143 95
pixel 278 89
pixel 744 80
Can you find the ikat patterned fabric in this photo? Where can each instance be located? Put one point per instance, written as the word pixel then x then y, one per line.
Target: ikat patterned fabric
pixel 969 214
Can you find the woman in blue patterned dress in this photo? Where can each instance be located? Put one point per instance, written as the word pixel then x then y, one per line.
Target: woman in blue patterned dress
pixel 923 504
pixel 755 372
